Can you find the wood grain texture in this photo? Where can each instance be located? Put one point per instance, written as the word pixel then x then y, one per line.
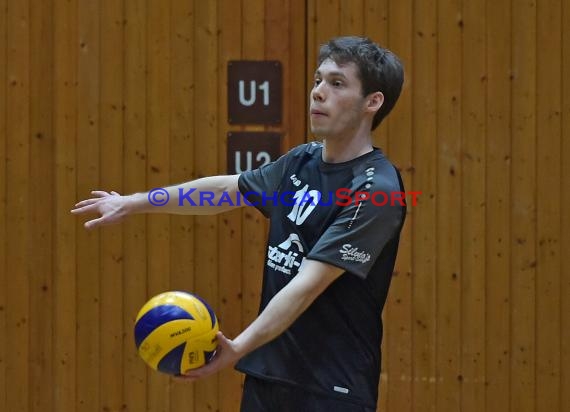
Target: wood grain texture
pixel 565 217
pixel 523 210
pixel 473 207
pixel 548 205
pixel 65 241
pixel 424 248
pixel 497 197
pixel 449 212
pixel 18 200
pixel 41 207
pixel 397 348
pixel 88 177
pixel 4 278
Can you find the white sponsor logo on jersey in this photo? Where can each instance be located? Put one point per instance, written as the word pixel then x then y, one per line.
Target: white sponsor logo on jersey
pixel 283 258
pixel 353 254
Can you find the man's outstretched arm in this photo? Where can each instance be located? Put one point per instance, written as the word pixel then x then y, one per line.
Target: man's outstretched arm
pixel 205 196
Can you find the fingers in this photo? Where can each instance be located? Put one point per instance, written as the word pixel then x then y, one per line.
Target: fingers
pixel 80 207
pixel 86 206
pixel 100 193
pixel 91 224
pixel 86 202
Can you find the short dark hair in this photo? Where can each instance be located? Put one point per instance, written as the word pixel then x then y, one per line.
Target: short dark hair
pixel 379 69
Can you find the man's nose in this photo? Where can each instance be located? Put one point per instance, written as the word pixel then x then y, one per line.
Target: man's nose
pixel 318 94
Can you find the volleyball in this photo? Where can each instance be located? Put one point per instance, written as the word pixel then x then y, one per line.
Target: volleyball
pixel 175 332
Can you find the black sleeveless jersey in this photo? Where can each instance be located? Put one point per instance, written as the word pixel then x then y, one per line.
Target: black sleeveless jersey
pixel 345 214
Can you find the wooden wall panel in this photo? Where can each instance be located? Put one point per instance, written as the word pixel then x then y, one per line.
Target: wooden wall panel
pixel 565 217
pixel 18 185
pixel 497 224
pixel 42 206
pixel 65 240
pixel 424 94
pixel 523 209
pixel 397 137
pixel 130 95
pixel 3 233
pixel 473 207
pixel 449 213
pixel 548 207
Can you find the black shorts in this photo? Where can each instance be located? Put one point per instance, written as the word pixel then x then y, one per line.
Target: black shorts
pixel 265 396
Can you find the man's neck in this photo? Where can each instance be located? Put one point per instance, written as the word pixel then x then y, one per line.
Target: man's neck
pixel 338 150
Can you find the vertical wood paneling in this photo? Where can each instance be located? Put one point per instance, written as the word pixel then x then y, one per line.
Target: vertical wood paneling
pixel 473 208
pixel 158 107
pixel 182 258
pixel 135 267
pixel 397 349
pixel 449 213
pixel 351 17
pixel 229 224
pixel 88 172
pixel 3 198
pixel 111 175
pixel 523 209
pixel 206 148
pixel 17 206
pixel 424 230
pixel 497 224
pixel 565 216
pixel 548 130
pixel 42 195
pixel 65 132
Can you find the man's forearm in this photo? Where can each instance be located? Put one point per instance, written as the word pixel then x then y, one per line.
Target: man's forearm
pixel 205 196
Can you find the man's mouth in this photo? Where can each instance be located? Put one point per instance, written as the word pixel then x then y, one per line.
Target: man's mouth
pixel 315 112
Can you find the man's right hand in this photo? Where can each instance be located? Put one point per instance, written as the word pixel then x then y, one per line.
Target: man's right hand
pixel 112 208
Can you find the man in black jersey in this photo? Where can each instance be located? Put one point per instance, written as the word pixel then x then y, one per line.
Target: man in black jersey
pixel 335 226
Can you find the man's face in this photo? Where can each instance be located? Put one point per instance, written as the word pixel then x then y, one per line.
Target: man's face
pixel 337 106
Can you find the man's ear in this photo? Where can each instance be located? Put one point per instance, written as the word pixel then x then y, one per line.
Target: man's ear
pixel 374 101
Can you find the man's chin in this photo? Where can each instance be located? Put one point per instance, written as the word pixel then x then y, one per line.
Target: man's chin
pixel 318 131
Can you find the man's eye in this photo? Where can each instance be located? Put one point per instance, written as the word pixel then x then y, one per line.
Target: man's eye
pixel 337 83
pixel 317 82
